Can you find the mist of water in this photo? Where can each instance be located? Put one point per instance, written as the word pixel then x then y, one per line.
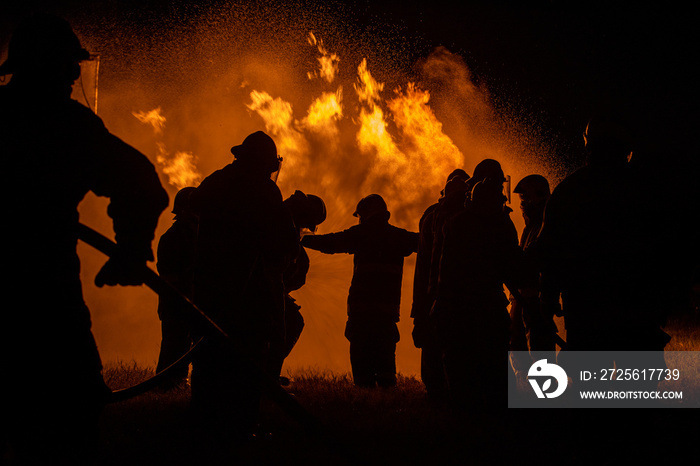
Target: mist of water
pixel 203 68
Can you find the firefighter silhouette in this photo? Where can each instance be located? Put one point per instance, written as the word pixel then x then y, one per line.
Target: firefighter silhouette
pixel 246 240
pixel 426 271
pixel 307 211
pixel 595 252
pixel 57 151
pixel 531 330
pixel 175 255
pixel 593 243
pixel 480 253
pixel 378 250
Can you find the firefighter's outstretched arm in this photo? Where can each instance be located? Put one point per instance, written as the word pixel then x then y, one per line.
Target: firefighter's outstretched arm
pixel 331 243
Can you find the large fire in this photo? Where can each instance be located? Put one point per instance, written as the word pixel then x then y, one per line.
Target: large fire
pixel 343 134
pixel 181 167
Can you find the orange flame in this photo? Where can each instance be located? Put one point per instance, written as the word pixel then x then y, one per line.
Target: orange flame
pixel 338 144
pixel 181 168
pixel 153 118
pixel 324 112
pixel 279 121
pixel 328 62
pixel 429 152
pixel 368 88
pixel 420 155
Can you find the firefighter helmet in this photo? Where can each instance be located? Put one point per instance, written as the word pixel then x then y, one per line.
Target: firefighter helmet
pixel 456 185
pixel 308 211
pixel 258 149
pixel 370 206
pixel 537 184
pixel 316 211
pixel 487 195
pixel 457 173
pixel 42 39
pixel 181 203
pixel 488 168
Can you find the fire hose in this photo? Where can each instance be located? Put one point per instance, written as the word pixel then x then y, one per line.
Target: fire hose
pixel 151 383
pixel 270 385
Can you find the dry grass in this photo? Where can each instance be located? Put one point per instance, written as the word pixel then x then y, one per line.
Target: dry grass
pixel 396 426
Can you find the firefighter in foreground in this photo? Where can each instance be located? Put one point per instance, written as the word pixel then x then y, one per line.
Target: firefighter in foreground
pixel 374 298
pixel 246 241
pixel 597 255
pixel 480 253
pixel 55 151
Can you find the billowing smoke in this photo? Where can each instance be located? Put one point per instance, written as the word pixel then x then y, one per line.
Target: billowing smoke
pixel 351 115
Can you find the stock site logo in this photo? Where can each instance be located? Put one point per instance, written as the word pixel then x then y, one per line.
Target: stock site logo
pixel 546 372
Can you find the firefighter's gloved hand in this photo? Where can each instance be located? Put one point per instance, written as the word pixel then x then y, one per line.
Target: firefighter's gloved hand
pixel 119 272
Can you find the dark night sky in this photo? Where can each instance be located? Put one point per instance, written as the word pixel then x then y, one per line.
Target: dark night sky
pixel 550 61
pixel 558 60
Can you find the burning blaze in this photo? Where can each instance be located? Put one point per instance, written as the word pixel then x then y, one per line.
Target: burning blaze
pixel 373 138
pixel 328 62
pixel 408 170
pixel 324 112
pixel 154 118
pixel 397 147
pixel 424 154
pixel 343 134
pixel 368 88
pixel 279 122
pixel 429 153
pixel 181 168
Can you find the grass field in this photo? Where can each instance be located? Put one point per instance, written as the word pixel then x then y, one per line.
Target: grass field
pixel 397 426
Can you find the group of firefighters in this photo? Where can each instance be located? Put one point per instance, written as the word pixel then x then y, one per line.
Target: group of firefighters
pixel 236 250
